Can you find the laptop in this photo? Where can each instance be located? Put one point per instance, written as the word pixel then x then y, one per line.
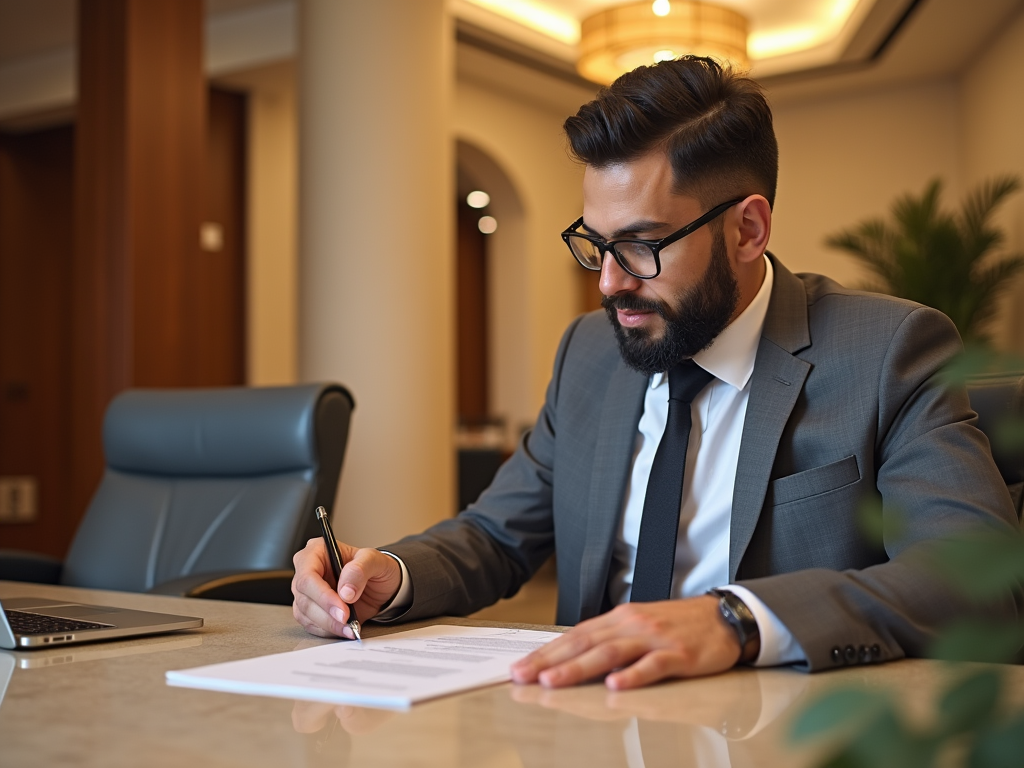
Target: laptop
pixel 35 622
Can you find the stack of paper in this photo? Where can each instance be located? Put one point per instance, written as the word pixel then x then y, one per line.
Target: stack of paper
pixel 390 672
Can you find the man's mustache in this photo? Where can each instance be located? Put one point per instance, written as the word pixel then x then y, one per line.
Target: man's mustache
pixel 628 302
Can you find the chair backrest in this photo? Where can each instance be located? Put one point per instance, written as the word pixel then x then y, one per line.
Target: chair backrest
pixel 998 399
pixel 204 480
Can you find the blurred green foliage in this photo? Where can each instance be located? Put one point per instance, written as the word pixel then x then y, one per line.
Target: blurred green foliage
pixel 938 258
pixel 970 718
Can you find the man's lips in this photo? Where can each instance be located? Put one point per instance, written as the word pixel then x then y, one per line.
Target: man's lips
pixel 632 318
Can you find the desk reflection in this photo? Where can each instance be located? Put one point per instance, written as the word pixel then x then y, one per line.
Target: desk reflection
pixel 717 722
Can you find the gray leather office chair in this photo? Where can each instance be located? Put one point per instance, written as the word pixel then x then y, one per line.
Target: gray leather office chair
pixel 207 492
pixel 998 399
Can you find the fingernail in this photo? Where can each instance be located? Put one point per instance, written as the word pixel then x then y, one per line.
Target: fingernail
pixel 348 593
pixel 338 615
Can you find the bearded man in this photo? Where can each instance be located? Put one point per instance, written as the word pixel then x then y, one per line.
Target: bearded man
pixel 706 442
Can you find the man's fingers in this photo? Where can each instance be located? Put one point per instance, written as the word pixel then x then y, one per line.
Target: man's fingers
pixel 359 569
pixel 310 590
pixel 651 668
pixel 619 622
pixel 370 578
pixel 316 605
pixel 638 643
pixel 316 620
pixel 561 649
pixel 594 663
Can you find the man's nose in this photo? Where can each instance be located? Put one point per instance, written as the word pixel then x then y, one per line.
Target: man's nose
pixel 614 279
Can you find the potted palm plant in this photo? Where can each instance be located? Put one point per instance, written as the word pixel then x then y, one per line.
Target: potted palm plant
pixel 940 258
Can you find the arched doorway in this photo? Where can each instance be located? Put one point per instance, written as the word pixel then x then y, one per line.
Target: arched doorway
pixel 491 347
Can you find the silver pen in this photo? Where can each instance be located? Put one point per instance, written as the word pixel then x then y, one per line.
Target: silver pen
pixel 336 565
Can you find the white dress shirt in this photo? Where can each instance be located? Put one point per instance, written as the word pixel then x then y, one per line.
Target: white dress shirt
pixel 717 413
pixel 702 548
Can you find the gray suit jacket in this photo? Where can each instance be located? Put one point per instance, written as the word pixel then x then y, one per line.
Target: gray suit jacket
pixel 843 403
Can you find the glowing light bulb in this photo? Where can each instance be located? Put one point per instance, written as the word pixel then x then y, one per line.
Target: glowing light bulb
pixel 487 225
pixel 661 7
pixel 478 199
pixel 665 55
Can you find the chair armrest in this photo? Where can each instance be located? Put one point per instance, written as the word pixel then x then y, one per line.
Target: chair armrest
pixel 272 587
pixel 19 565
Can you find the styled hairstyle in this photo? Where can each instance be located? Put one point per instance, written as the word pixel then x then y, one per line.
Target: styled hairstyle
pixel 715 126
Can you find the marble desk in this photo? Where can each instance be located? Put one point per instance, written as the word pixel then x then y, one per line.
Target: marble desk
pixel 107 705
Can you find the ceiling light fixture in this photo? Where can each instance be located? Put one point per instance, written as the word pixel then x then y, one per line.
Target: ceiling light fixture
pixel 621 38
pixel 478 199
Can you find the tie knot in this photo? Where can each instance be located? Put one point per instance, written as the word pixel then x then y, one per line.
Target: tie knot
pixel 686 380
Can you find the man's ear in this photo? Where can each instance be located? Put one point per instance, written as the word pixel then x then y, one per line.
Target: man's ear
pixel 755 226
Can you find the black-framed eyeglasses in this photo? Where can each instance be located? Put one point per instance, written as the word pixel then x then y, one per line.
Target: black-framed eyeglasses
pixel 640 258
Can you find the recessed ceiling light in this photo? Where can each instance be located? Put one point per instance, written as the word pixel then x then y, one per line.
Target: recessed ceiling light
pixel 478 199
pixel 487 224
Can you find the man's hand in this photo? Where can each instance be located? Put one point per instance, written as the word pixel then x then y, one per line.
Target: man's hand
pixel 644 642
pixel 368 580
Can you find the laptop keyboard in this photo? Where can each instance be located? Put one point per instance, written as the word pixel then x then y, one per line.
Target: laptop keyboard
pixel 36 624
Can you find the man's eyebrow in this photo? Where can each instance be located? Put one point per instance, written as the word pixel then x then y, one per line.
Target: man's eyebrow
pixel 630 230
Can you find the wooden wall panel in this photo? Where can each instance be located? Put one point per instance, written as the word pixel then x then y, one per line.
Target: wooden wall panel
pixel 103 284
pixel 36 247
pixel 140 152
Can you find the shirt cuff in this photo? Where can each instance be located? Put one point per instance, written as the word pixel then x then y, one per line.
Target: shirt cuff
pixel 402 601
pixel 778 646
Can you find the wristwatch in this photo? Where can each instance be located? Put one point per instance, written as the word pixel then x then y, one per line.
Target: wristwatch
pixel 738 616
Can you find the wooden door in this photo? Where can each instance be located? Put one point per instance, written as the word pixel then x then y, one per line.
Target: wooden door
pixel 36 261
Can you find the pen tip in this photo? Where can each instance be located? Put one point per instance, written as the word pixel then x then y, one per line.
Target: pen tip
pixel 356 630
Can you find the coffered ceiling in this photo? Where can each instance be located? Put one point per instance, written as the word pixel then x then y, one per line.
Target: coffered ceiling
pixel 791 43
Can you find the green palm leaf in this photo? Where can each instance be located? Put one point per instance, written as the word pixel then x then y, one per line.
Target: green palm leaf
pixel 938 258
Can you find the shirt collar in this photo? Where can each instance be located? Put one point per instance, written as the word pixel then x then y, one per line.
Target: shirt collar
pixel 731 355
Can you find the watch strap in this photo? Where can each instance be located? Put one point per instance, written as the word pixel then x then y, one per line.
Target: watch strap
pixel 737 615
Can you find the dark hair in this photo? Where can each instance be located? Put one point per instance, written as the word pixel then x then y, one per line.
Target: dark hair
pixel 715 126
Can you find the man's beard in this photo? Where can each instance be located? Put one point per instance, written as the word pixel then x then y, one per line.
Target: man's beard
pixel 699 315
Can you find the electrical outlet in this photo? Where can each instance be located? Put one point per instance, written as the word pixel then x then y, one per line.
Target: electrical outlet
pixel 18 496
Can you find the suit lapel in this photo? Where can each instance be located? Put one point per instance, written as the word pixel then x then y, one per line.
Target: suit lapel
pixel 775 386
pixel 616 438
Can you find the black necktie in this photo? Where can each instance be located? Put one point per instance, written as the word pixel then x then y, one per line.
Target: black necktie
pixel 656 548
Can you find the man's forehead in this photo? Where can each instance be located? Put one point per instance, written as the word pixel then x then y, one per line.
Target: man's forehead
pixel 634 190
pixel 653 165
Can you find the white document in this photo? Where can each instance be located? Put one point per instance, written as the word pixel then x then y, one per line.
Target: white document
pixel 390 672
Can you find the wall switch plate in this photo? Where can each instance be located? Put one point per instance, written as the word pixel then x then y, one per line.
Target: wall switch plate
pixel 18 499
pixel 211 236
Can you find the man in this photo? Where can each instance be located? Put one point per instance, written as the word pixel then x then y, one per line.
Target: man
pixel 722 432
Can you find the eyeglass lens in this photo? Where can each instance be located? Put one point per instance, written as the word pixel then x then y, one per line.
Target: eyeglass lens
pixel 637 258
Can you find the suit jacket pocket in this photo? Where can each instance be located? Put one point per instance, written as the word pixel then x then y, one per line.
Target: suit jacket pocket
pixel 812 482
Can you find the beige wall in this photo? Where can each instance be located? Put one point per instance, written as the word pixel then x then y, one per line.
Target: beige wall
pixel 272 266
pixel 515 117
pixel 844 159
pixel 376 257
pixel 992 104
